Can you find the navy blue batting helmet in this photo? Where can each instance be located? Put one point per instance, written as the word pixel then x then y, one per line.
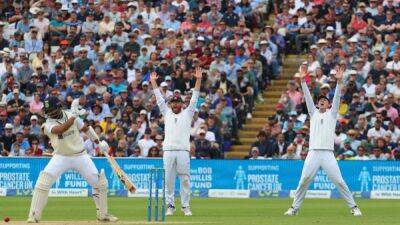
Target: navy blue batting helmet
pixel 50 104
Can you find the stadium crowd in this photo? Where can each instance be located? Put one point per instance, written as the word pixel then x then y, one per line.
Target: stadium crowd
pixel 99 54
pixel 364 37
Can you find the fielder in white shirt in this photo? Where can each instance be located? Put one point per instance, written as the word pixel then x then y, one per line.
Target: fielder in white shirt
pixel 63 128
pixel 176 144
pixel 322 131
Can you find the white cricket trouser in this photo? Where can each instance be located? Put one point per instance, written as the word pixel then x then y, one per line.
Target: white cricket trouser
pixel 325 159
pixel 177 163
pixel 83 164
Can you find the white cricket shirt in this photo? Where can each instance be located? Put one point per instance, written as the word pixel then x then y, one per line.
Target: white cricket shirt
pixel 322 125
pixel 177 126
pixel 70 142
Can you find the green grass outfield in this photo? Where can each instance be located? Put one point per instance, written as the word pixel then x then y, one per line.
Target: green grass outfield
pixel 211 211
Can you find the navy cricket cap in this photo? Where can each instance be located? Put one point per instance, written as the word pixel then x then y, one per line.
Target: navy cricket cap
pixel 176 99
pixel 324 97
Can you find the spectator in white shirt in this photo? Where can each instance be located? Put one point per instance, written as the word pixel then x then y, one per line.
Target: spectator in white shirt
pixel 90 25
pixel 265 51
pixel 17 150
pixel 163 14
pixel 361 154
pixel 394 88
pixel 106 25
pixel 306 4
pixel 148 14
pixel 164 90
pixel 376 132
pixel 218 64
pixel 292 7
pixel 369 87
pixel 377 154
pixel 178 3
pixel 291 153
pixel 372 7
pixel 394 65
pixel 196 123
pixel 146 143
pixel 104 41
pixel 41 23
pixel 210 136
pixel 393 132
pixel 313 64
pixel 120 37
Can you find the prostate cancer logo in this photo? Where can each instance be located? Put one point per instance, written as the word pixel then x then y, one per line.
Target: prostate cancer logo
pixel 364 177
pixel 240 177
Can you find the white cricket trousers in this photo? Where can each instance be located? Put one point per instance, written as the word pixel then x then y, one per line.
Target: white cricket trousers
pixel 177 163
pixel 325 159
pixel 83 164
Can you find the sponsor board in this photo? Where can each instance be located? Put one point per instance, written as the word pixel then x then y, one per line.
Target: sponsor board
pixel 314 194
pixel 68 192
pixel 228 193
pixel 263 178
pixel 385 194
pixel 144 193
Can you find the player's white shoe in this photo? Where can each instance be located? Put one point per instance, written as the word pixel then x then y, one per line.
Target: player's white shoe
pixel 291 212
pixel 107 218
pixel 32 220
pixel 186 211
pixel 170 211
pixel 356 211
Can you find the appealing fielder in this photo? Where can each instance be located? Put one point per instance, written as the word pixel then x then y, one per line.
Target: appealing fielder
pixel 322 129
pixel 63 128
pixel 176 145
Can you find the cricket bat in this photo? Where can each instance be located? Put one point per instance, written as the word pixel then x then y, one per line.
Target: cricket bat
pixel 120 173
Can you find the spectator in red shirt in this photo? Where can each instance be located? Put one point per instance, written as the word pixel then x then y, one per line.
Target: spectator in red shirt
pixel 204 25
pixel 35 149
pixel 357 23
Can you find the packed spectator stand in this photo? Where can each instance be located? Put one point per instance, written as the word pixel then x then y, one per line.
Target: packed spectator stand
pixel 101 53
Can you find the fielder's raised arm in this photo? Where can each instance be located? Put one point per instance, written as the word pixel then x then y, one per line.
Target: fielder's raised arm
pixel 160 99
pixel 196 91
pixel 307 95
pixel 336 97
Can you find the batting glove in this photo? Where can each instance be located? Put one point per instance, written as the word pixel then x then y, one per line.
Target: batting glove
pixel 103 146
pixel 76 109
